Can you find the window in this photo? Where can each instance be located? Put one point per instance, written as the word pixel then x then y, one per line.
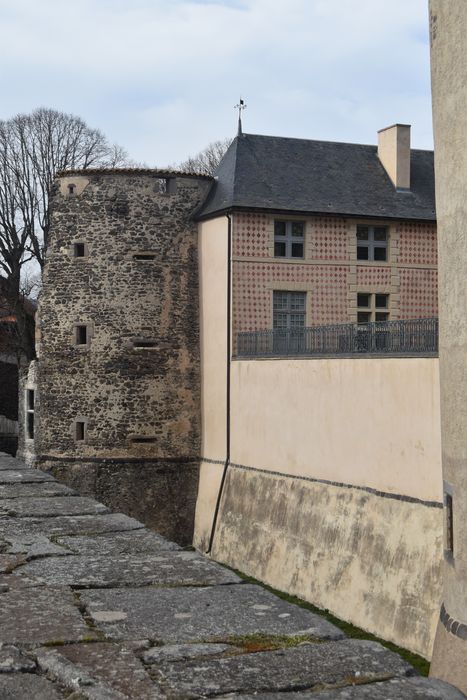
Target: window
pixel 144 255
pixel 289 310
pixel 81 335
pixel 143 343
pixel 79 250
pixel 372 307
pixel 30 414
pixel 80 431
pixel 372 243
pixel 449 524
pixel 289 239
pixel 71 190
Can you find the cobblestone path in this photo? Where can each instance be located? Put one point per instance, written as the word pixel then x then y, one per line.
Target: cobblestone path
pixel 94 605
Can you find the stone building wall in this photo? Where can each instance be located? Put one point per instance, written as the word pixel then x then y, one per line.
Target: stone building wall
pixel 132 390
pixel 330 272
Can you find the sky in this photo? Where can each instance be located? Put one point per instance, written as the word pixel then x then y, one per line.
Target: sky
pixel 161 77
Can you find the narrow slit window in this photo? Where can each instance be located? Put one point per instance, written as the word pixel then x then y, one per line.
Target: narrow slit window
pixel 449 524
pixel 79 250
pixel 80 431
pixel 71 189
pixel 144 344
pixel 81 335
pixel 30 398
pixel 144 256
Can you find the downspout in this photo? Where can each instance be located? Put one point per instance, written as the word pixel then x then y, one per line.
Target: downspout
pixel 227 427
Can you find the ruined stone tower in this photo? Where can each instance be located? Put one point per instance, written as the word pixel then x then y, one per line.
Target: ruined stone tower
pixel 118 372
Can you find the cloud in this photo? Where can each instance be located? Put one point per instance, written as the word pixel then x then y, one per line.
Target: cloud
pixel 161 78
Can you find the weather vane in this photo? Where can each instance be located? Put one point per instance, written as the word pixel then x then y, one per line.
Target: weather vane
pixel 241 106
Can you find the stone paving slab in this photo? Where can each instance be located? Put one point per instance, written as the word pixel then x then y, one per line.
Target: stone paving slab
pixel 182 652
pixel 102 671
pixel 9 462
pixel 13 475
pixel 41 615
pixel 51 507
pixel 135 542
pixel 13 660
pixel 44 489
pixel 68 525
pixel 304 666
pixel 393 689
pixel 32 546
pixel 26 686
pixel 162 569
pixel 192 614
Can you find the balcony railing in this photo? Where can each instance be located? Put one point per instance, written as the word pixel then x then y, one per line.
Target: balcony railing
pixel 409 337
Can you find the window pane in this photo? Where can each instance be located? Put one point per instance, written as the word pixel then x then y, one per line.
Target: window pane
pixel 297 320
pixel 280 320
pixel 297 301
pixel 297 250
pixel 362 233
pixel 379 253
pixel 279 250
pixel 362 252
pixel 381 316
pixel 279 228
pixel 363 317
pixel 280 300
pixel 297 228
pixel 363 300
pixel 381 234
pixel 381 301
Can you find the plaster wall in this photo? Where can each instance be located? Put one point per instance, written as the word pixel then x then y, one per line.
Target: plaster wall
pixel 213 262
pixel 367 422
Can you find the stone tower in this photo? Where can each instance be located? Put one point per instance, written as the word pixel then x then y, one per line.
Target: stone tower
pixel 118 371
pixel 448 19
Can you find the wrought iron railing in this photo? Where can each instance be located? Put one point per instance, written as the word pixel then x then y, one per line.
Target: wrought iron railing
pixel 408 337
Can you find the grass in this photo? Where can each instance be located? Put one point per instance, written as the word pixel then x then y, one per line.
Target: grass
pixel 418 662
pixel 268 642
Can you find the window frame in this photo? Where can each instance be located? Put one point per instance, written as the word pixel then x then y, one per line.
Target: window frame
pixel 288 311
pixel 370 244
pixel 371 309
pixel 289 239
pixel 29 413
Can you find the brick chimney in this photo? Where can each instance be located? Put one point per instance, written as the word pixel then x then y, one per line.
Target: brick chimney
pixel 394 154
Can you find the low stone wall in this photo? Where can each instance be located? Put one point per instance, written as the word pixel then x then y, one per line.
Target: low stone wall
pixel 370 559
pixel 162 493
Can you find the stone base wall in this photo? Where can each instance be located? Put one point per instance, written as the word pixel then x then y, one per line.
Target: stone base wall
pixel 161 493
pixel 370 559
pixel 9 444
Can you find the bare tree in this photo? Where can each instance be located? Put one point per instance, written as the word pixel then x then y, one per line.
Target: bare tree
pixel 207 160
pixel 33 148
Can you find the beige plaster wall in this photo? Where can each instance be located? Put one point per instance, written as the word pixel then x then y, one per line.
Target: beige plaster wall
pixel 368 422
pixel 370 560
pixel 213 262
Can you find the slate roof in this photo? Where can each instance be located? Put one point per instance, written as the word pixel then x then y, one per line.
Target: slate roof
pixel 322 177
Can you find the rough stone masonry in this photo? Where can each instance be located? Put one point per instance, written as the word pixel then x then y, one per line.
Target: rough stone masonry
pixel 94 606
pixel 117 381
